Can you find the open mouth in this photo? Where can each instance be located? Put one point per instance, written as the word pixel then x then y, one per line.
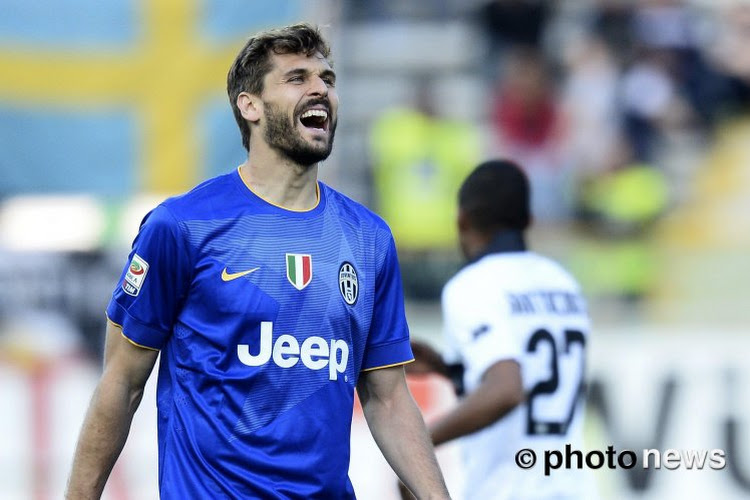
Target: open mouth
pixel 316 119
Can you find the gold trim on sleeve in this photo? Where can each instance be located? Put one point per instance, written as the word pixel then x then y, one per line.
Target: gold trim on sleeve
pixel 388 366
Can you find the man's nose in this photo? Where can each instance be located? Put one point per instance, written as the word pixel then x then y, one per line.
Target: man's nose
pixel 318 87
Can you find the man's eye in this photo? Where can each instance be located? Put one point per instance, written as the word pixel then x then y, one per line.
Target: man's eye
pixel 296 79
pixel 330 82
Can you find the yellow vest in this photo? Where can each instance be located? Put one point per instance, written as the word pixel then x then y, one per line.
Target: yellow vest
pixel 419 164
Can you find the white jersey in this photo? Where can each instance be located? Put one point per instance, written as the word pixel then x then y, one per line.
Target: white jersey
pixel 518 305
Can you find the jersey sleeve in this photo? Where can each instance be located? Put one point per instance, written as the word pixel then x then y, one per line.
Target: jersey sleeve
pixel 388 339
pixel 477 328
pixel 154 283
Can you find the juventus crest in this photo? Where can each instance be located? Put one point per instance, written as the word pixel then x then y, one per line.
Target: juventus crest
pixel 348 284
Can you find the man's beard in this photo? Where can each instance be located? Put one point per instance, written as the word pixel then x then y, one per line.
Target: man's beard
pixel 283 136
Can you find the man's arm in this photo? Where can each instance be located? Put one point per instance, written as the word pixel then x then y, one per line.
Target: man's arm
pixel 499 392
pixel 397 426
pixel 426 361
pixel 107 423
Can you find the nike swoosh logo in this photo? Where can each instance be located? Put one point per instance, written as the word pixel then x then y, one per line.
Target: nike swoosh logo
pixel 227 276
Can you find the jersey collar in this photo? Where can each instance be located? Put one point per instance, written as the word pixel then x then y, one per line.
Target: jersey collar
pixel 274 208
pixel 508 240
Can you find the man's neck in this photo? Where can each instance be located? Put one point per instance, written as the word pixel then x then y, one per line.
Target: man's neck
pixel 501 241
pixel 280 181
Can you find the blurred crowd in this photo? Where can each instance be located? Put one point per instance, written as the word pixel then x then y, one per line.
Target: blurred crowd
pixel 601 102
pixel 630 75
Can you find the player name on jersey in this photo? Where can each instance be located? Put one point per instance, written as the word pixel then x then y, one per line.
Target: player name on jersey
pixel 546 301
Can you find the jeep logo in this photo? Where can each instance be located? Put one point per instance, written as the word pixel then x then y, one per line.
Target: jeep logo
pixel 315 353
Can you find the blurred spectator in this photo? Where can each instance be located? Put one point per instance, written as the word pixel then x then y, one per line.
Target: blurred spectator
pixel 525 112
pixel 677 34
pixel 590 108
pixel 733 39
pixel 664 24
pixel 512 24
pixel 626 201
pixel 527 123
pixel 612 21
pixel 614 257
pixel 669 28
pixel 728 51
pixel 647 95
pixel 420 159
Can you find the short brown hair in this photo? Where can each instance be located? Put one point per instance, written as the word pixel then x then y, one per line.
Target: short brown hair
pixel 254 61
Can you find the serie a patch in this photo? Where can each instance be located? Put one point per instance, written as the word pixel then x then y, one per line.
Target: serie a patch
pixel 135 275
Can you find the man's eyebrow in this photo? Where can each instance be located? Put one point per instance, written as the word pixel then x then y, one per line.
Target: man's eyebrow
pixel 302 71
pixel 328 73
pixel 295 72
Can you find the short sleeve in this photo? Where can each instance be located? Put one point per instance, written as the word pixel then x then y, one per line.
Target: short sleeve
pixel 154 283
pixel 388 339
pixel 478 329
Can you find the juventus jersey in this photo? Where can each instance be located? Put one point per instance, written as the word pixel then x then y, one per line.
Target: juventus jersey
pixel 513 304
pixel 265 318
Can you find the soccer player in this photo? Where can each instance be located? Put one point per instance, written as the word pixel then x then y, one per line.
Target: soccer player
pixel 270 296
pixel 516 329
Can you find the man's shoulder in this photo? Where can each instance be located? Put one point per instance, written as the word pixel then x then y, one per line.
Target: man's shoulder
pixel 485 270
pixel 201 200
pixel 461 283
pixel 553 270
pixel 508 270
pixel 353 211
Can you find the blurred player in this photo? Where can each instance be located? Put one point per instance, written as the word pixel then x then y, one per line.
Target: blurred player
pixel 270 297
pixel 516 329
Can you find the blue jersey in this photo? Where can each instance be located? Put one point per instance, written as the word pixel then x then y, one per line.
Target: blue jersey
pixel 265 318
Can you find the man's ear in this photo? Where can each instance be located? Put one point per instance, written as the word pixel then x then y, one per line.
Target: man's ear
pixel 463 221
pixel 250 106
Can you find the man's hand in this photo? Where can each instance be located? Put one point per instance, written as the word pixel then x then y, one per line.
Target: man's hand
pixel 426 360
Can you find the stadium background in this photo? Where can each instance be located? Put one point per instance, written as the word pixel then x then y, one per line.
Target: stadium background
pixel 632 117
